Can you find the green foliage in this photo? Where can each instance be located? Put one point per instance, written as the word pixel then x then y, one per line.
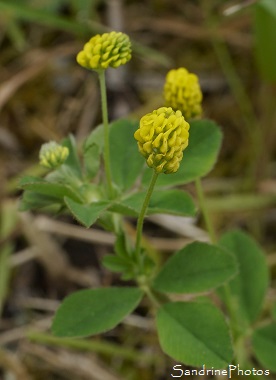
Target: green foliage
pixel 248 288
pixel 264 345
pixel 91 159
pixel 194 333
pixel 174 202
pixel 199 157
pixel 32 200
pixel 122 260
pixel 265 37
pixel 196 268
pixel 86 214
pixel 54 190
pixel 93 311
pixel 73 160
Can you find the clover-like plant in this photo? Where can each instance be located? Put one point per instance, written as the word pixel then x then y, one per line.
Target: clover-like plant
pixel 194 332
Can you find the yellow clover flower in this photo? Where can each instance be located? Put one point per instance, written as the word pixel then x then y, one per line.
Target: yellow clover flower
pixel 182 92
pixel 106 50
pixel 162 136
pixel 52 155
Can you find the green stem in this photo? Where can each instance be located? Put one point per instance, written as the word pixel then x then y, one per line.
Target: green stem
pixel 151 295
pixel 101 347
pixel 142 215
pixel 203 207
pixel 106 132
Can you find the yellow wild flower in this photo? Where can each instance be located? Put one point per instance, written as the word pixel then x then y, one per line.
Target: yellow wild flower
pixel 182 92
pixel 52 155
pixel 162 136
pixel 105 50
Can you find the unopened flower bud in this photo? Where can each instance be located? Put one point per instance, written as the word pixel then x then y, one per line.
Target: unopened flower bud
pixel 162 136
pixel 182 92
pixel 106 50
pixel 52 155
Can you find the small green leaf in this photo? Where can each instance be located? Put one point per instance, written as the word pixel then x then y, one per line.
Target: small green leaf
pixel 86 214
pixel 116 263
pixel 265 37
pixel 126 161
pixel 121 208
pixel 123 248
pixel 33 201
pixel 92 149
pixel 199 157
pixel 249 287
pixel 93 311
pixel 91 159
pixel 264 345
pixel 54 190
pixel 194 333
pixel 195 268
pixel 96 137
pixel 28 179
pixel 174 202
pixel 72 161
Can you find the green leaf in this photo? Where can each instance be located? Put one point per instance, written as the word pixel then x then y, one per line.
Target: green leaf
pixel 72 161
pixel 199 157
pixel 249 287
pixel 93 311
pixel 126 161
pixel 194 333
pixel 174 202
pixel 28 179
pixel 92 149
pixel 116 263
pixel 91 159
pixel 265 37
pixel 54 190
pixel 86 214
pixel 33 201
pixel 96 137
pixel 264 345
pixel 196 268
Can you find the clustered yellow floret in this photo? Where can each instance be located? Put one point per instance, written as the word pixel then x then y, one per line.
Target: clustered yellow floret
pixel 106 50
pixel 162 136
pixel 52 155
pixel 182 92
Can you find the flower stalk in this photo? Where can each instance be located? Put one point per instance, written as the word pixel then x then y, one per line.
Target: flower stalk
pixel 106 132
pixel 142 214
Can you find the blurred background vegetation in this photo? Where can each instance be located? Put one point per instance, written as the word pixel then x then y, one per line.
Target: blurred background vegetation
pixel 45 95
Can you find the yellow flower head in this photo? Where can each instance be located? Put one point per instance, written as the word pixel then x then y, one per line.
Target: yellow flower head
pixel 52 155
pixel 162 136
pixel 106 50
pixel 182 92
